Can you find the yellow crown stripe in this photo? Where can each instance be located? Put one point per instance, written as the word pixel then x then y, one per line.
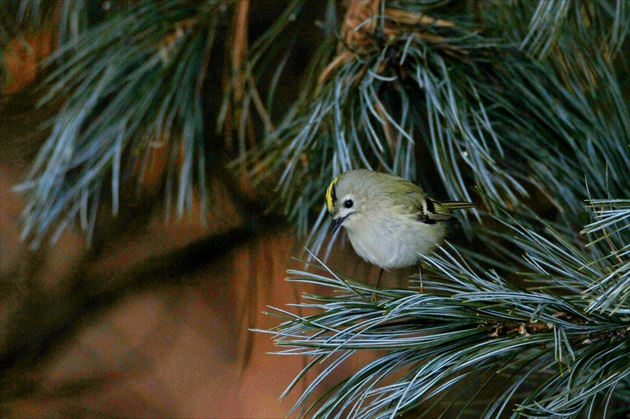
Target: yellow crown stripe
pixel 330 192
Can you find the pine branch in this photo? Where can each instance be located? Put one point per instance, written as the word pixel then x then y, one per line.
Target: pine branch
pixel 133 85
pixel 610 230
pixel 467 324
pixel 416 79
pixel 517 102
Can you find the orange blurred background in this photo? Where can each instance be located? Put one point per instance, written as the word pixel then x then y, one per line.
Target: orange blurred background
pixel 155 319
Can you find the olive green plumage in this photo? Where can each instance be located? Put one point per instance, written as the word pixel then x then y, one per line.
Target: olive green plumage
pixel 390 221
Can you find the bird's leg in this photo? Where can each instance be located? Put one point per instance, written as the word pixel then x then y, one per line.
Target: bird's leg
pixel 420 277
pixel 380 275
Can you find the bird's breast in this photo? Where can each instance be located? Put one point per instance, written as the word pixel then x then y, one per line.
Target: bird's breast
pixel 394 242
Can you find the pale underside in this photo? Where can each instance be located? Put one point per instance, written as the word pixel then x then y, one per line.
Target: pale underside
pixel 393 243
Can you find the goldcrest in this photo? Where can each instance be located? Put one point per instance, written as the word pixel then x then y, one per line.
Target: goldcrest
pixel 390 222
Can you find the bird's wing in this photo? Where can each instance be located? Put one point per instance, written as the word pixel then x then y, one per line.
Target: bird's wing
pixel 413 201
pixel 427 209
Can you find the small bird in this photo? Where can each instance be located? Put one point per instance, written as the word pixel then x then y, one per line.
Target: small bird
pixel 390 222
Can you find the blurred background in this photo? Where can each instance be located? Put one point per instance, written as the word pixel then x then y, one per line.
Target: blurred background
pixel 163 163
pixel 148 317
pixel 151 318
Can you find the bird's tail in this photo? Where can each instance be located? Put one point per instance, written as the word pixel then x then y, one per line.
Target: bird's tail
pixel 456 205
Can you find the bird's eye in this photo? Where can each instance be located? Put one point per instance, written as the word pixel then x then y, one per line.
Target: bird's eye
pixel 348 203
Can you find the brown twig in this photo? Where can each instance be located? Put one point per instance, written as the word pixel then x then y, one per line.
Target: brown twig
pixel 360 26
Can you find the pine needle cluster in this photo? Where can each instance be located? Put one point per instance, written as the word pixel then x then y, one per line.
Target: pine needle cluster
pixel 518 106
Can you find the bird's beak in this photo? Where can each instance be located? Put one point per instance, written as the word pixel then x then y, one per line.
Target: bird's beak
pixel 338 222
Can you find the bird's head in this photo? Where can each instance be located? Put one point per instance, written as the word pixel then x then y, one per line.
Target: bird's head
pixel 345 199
